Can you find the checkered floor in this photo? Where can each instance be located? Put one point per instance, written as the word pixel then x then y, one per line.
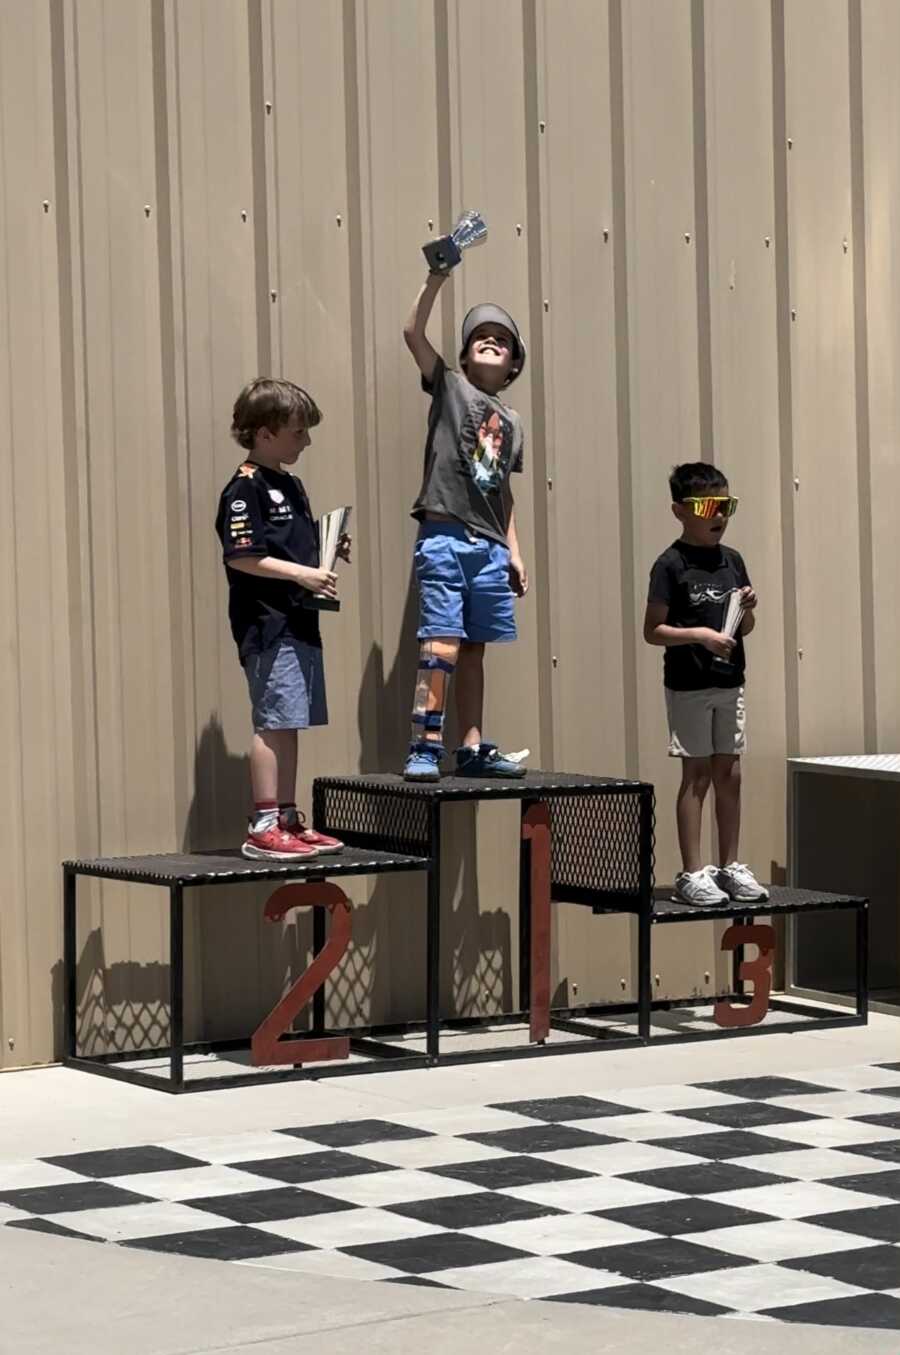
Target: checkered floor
pixel 766 1197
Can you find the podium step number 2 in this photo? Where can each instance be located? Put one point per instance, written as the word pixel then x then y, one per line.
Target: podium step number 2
pixel 267 1047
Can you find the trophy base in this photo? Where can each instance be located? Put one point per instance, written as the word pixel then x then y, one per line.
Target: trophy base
pixel 321 604
pixel 442 255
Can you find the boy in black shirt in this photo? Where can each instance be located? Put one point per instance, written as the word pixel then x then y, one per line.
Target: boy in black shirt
pixel 703 673
pixel 467 560
pixel 271 551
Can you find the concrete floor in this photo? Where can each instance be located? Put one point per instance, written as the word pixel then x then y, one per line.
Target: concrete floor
pixel 60 1294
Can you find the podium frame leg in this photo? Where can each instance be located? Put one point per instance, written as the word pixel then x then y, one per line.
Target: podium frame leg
pixel 176 986
pixel 433 938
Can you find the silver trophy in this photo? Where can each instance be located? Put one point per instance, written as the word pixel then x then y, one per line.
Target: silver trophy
pixel 332 526
pixel 445 252
pixel 734 615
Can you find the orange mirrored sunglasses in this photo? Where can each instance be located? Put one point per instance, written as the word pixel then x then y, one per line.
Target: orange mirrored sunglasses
pixel 712 505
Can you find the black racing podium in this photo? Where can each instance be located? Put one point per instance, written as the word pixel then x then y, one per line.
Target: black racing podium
pixel 583 840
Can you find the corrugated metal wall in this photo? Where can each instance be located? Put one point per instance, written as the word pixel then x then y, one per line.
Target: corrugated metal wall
pixel 693 208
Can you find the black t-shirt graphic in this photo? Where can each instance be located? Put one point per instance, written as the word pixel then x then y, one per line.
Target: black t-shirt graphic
pixel 695 583
pixel 266 512
pixel 474 442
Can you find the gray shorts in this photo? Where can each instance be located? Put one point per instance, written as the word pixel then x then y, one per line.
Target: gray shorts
pixel 287 686
pixel 706 722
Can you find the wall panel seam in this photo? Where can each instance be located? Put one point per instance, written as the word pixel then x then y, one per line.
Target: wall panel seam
pixel 869 634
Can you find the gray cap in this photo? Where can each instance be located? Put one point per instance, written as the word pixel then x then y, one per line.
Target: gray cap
pixel 489 314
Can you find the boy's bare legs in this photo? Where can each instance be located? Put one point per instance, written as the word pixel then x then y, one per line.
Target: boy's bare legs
pixel 273 766
pixel 469 693
pixel 696 774
pixel 276 833
pixel 726 779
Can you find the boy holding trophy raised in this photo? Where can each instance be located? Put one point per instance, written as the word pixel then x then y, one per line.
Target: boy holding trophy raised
pixel 700 605
pixel 467 560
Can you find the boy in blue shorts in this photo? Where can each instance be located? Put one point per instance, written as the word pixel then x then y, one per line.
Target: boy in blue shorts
pixel 467 559
pixel 703 672
pixel 271 552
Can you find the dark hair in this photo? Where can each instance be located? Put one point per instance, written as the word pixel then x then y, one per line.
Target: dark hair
pixel 695 477
pixel 269 402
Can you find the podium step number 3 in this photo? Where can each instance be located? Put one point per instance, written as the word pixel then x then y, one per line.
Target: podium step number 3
pixel 757 971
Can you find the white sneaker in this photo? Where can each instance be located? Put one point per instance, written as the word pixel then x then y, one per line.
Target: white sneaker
pixel 741 884
pixel 698 887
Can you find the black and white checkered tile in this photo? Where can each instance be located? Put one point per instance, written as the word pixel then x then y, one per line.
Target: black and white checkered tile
pixel 761 1197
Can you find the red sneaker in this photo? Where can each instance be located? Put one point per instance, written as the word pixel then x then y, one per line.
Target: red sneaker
pixel 276 844
pixel 319 842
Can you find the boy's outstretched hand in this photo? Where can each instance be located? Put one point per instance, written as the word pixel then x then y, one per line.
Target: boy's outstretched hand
pixel 518 576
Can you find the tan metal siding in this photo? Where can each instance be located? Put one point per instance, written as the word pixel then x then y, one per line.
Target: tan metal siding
pixel 236 186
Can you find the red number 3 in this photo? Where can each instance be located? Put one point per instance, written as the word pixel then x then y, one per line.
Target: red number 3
pixel 758 972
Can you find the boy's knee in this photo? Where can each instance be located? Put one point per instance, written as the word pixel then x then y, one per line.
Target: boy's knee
pixel 696 772
pixel 439 653
pixel 726 772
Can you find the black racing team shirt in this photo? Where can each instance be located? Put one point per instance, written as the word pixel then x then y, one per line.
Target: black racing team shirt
pixel 695 583
pixel 266 512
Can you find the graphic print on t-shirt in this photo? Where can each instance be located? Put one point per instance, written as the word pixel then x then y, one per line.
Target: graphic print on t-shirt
pixel 486 445
pixel 696 583
pixel 700 592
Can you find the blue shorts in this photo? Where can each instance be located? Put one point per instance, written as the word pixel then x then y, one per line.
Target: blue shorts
pixel 463 584
pixel 287 685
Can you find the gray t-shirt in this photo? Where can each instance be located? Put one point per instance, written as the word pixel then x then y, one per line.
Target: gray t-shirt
pixel 474 441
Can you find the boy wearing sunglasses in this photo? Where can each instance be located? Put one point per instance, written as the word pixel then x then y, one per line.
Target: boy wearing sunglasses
pixel 691 585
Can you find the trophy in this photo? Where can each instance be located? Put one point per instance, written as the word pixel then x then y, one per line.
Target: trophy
pixel 734 615
pixel 445 252
pixel 332 526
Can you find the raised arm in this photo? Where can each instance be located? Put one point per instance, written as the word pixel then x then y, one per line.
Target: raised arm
pixel 414 329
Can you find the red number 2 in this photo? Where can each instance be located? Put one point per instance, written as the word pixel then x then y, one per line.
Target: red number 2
pixel 267 1045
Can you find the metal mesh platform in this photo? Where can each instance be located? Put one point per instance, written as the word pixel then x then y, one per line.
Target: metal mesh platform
pixel 877 766
pixel 781 900
pixel 228 866
pixel 601 827
pixel 539 784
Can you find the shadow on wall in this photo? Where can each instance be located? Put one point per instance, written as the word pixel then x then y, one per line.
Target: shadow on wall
pixel 121 1007
pixel 238 966
pixel 476 963
pixel 221 792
